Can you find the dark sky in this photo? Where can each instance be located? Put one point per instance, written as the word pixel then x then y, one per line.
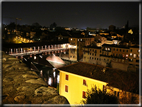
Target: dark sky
pixel 73 14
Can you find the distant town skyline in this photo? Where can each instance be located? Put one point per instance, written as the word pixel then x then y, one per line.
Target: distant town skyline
pixel 72 14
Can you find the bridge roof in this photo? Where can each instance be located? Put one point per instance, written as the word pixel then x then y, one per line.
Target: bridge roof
pixel 9 45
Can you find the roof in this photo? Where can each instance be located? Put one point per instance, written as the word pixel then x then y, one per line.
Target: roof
pixel 117 46
pixel 92 47
pixel 116 78
pixel 9 45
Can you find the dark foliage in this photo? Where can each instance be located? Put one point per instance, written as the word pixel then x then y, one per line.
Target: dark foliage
pixel 96 96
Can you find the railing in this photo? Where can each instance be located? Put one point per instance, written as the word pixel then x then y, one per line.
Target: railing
pixel 36 51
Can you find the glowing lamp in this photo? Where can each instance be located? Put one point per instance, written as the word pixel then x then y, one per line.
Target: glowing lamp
pixel 58 78
pixel 49 81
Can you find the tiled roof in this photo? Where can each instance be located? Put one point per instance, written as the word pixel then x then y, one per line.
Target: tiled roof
pixel 116 78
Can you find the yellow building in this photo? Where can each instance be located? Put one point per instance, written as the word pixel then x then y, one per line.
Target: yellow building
pixel 76 79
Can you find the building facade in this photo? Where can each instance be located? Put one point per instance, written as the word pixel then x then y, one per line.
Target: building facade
pixel 79 43
pixel 77 78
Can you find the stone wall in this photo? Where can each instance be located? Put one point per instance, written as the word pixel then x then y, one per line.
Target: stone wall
pixel 20 85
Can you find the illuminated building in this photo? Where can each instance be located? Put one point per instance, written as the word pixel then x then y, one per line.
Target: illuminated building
pixel 120 57
pixel 79 42
pixel 76 79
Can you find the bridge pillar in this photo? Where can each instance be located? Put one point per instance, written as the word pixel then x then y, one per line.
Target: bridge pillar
pixel 48 46
pixel 38 48
pixel 11 51
pixel 21 50
pixel 42 47
pixel 45 47
pixel 16 51
pixel 30 49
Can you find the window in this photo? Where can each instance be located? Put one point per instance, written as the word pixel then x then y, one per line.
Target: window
pixel 120 50
pixel 114 92
pixel 137 60
pixel 84 82
pixel 67 77
pixel 123 50
pixel 131 50
pixel 66 88
pixel 117 94
pixel 97 58
pixel 134 55
pixel 104 88
pixel 126 50
pixel 139 50
pixel 114 49
pixel 131 54
pixel 131 60
pixel 84 94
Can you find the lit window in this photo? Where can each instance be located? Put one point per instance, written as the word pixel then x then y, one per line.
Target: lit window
pixel 134 55
pixel 126 55
pixel 67 77
pixel 34 57
pixel 78 39
pixel 84 94
pixel 130 54
pixel 84 82
pixel 139 50
pixel 66 88
pixel 106 48
pixel 71 39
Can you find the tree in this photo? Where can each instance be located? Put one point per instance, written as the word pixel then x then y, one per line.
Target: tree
pixel 96 96
pixel 53 25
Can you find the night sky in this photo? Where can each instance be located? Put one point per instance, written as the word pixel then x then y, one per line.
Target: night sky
pixel 72 14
